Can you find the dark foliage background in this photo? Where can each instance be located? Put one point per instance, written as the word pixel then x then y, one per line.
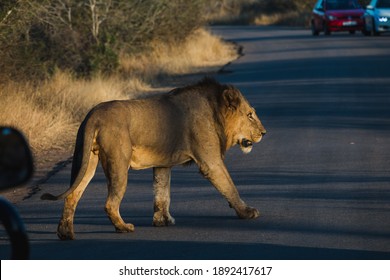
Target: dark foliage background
pixel 86 36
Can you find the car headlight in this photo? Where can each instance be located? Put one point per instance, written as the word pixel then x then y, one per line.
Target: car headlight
pixel 332 17
pixel 383 19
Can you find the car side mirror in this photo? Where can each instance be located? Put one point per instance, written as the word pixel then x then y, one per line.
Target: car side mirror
pixel 16 161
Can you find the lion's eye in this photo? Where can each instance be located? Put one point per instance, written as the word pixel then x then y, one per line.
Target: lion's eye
pixel 250 116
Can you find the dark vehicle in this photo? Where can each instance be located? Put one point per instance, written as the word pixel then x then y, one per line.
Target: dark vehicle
pixel 377 17
pixel 16 168
pixel 337 15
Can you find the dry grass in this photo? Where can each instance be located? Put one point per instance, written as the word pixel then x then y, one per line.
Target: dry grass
pixel 50 112
pixel 201 50
pixel 287 18
pixel 261 12
pixel 43 126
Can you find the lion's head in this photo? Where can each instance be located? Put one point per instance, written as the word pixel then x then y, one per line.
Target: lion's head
pixel 242 126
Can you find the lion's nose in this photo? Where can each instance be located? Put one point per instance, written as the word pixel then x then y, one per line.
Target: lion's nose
pixel 264 132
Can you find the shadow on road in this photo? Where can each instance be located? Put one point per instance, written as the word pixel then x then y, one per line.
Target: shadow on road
pixel 154 250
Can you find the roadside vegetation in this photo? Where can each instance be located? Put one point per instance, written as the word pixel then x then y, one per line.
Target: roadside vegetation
pixel 264 12
pixel 58 58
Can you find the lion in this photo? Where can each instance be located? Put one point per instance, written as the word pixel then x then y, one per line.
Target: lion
pixel 193 124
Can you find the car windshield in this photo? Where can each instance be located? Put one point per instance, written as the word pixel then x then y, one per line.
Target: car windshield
pixel 342 5
pixel 383 4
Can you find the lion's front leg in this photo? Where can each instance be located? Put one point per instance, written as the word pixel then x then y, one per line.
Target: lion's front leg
pixel 162 197
pixel 218 175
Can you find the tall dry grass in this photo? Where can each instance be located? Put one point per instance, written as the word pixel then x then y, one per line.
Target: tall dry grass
pixel 44 126
pixel 49 113
pixel 261 12
pixel 199 51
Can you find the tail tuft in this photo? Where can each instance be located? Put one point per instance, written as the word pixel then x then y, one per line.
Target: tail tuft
pixel 48 196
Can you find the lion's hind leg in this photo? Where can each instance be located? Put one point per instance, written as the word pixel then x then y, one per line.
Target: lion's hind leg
pixel 116 170
pixel 113 202
pixel 162 193
pixel 65 227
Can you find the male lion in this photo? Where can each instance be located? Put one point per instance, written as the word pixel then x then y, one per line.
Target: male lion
pixel 197 123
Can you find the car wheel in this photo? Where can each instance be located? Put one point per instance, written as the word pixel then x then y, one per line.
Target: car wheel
pixel 366 28
pixel 327 31
pixel 373 29
pixel 314 31
pixel 365 32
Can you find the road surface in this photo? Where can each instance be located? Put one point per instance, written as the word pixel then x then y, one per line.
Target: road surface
pixel 320 177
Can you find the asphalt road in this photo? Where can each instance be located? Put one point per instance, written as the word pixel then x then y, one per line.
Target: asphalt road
pixel 320 177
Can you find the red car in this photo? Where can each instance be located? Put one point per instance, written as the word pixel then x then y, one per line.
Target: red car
pixel 337 15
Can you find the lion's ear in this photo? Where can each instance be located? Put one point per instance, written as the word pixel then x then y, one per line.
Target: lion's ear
pixel 231 98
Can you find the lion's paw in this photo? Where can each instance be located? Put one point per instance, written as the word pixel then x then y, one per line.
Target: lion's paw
pixel 65 230
pixel 65 235
pixel 124 228
pixel 248 213
pixel 160 220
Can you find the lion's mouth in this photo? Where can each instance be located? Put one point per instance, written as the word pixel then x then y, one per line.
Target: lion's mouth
pixel 246 145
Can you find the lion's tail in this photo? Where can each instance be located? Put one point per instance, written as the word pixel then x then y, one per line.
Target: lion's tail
pixel 84 161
